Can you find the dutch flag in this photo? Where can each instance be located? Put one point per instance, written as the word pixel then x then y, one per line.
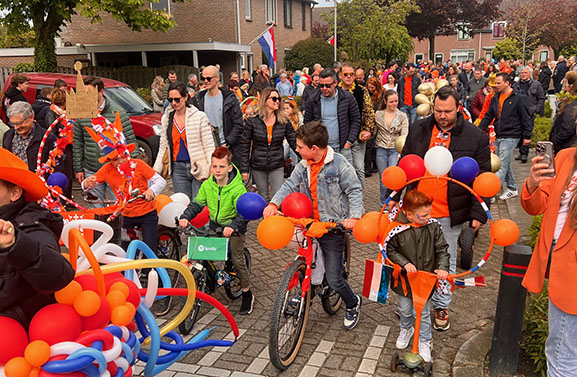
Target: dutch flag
pixel 266 41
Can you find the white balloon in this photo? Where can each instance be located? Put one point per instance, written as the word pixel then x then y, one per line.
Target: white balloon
pixel 169 212
pixel 438 161
pixel 180 197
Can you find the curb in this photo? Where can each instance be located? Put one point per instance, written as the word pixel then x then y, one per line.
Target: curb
pixel 470 358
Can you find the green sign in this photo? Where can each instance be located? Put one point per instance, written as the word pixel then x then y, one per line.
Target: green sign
pixel 207 248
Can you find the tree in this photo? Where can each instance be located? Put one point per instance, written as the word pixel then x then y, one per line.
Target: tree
pixel 321 30
pixel 307 52
pixel 507 49
pixel 14 40
pixel 445 16
pixel 522 29
pixel 49 16
pixel 367 30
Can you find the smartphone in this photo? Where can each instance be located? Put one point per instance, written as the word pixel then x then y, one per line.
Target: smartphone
pixel 545 149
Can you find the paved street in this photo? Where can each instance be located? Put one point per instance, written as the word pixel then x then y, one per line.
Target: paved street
pixel 328 349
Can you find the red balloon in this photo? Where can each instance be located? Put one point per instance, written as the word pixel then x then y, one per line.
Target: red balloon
pixel 55 323
pixel 98 320
pixel 413 165
pixel 201 219
pixel 88 282
pixel 14 339
pixel 297 205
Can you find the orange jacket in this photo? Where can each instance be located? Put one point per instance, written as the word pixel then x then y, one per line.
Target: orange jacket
pixel 563 273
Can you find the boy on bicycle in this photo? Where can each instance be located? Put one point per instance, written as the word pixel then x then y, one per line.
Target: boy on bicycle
pixel 336 194
pixel 220 193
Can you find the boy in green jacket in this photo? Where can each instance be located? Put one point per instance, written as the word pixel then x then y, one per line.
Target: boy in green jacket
pixel 220 193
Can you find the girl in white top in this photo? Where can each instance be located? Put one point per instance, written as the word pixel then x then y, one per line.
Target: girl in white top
pixel 391 82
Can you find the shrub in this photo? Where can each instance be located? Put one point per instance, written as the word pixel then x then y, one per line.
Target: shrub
pixel 23 67
pixel 548 110
pixel 541 130
pixel 145 93
pixel 534 230
pixel 307 52
pixel 536 329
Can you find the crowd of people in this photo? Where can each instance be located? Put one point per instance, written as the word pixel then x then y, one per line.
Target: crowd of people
pixel 323 132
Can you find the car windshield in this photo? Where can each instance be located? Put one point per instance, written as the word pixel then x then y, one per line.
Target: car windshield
pixel 127 98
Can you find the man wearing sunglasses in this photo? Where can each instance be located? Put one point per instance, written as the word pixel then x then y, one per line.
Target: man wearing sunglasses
pixel 222 109
pixel 338 111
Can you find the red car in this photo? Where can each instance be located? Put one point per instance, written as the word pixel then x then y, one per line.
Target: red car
pixel 145 121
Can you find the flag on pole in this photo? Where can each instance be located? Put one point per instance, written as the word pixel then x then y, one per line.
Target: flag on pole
pixel 266 41
pixel 478 281
pixel 331 40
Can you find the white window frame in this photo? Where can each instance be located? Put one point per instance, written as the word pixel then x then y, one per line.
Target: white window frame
pixel 546 53
pixel 271 11
pixel 463 33
pixel 495 24
pixel 419 56
pixel 288 12
pixel 247 10
pixel 157 6
pixel 442 57
pixel 488 52
pixel 462 55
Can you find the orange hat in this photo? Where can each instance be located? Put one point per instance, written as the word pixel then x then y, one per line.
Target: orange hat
pixel 14 170
pixel 109 142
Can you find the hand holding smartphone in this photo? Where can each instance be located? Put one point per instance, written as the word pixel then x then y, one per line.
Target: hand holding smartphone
pixel 545 149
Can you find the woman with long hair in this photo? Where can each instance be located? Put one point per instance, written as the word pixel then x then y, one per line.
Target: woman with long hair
pixel 391 123
pixel 563 134
pixel 376 92
pixel 156 93
pixel 261 148
pixel 491 68
pixel 392 81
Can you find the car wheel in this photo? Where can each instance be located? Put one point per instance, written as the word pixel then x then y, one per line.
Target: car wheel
pixel 145 152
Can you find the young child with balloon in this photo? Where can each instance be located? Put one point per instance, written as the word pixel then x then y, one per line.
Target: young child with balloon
pixel 220 193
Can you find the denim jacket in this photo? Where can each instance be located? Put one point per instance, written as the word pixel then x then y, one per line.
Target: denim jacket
pixel 339 191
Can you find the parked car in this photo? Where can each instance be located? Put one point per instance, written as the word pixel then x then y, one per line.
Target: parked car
pixel 145 121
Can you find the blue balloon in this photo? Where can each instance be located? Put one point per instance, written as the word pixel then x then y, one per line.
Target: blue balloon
pixel 250 205
pixel 465 169
pixel 57 180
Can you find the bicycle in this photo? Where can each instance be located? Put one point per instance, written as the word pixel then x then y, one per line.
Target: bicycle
pixel 292 301
pixel 210 274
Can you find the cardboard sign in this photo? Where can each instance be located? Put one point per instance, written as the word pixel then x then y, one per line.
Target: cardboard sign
pixel 207 248
pixel 70 216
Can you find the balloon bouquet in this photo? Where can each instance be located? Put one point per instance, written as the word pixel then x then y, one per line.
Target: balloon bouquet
pixel 101 324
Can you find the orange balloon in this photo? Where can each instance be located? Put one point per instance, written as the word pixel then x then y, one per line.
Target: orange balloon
pixel 275 232
pixel 487 185
pixel 116 298
pixel 120 286
pixel 34 373
pixel 121 315
pixel 394 178
pixel 131 308
pixel 505 232
pixel 366 229
pixel 37 353
pixel 17 367
pixel 68 294
pixel 87 303
pixel 161 201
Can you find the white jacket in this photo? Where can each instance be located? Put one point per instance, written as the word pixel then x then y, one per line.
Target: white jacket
pixel 199 141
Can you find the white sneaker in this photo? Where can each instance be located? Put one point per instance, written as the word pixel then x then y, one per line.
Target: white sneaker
pixel 425 351
pixel 509 194
pixel 404 338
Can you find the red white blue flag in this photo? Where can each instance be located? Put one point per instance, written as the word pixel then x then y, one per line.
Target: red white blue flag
pixel 266 41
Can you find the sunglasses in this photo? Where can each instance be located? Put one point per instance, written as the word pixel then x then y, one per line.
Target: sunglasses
pixel 348 74
pixel 177 100
pixel 326 85
pixel 274 99
pixel 208 78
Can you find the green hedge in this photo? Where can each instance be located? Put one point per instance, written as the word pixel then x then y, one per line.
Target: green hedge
pixel 145 93
pixel 541 130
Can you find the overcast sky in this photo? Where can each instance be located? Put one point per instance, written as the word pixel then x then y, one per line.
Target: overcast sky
pixel 325 3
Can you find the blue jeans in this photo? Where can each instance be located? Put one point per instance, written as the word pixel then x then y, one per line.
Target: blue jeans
pixel 149 225
pixel 561 344
pixel 358 156
pixel 99 191
pixel 505 148
pixel 410 111
pixel 183 181
pixel 451 235
pixel 333 246
pixel 408 315
pixel 385 157
pixel 346 153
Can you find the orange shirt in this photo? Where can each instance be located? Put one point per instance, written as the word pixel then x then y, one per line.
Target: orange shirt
pixel 502 99
pixel 269 133
pixel 437 189
pixel 178 141
pixel 315 170
pixel 408 90
pixel 142 173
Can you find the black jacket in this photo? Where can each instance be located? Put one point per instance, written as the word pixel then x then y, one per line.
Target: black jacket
pixel 514 122
pixel 559 74
pixel 12 95
pixel 535 94
pixel 256 152
pixel 348 115
pixel 466 140
pixel 414 89
pixel 563 130
pixel 464 78
pixel 32 151
pixel 41 107
pixel 231 116
pixel 309 92
pixel 32 269
pixel 545 78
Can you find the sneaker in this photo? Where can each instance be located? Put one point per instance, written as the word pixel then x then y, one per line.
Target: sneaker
pixel 404 338
pixel 524 159
pixel 493 200
pixel 162 306
pixel 519 157
pixel 425 351
pixel 509 194
pixel 247 303
pixel 352 315
pixel 441 322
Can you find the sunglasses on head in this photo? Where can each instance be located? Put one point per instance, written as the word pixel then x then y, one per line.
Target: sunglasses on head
pixel 177 100
pixel 326 85
pixel 274 99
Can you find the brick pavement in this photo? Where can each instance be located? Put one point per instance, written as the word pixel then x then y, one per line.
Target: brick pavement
pixel 329 350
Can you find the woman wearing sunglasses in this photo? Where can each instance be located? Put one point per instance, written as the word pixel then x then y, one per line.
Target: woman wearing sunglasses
pixel 187 138
pixel 261 148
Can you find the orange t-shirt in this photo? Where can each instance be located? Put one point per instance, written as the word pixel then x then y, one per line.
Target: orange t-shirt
pixel 408 90
pixel 315 170
pixel 502 99
pixel 269 133
pixel 142 173
pixel 178 141
pixel 437 189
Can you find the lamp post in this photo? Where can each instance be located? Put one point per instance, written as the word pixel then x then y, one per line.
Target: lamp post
pixel 335 31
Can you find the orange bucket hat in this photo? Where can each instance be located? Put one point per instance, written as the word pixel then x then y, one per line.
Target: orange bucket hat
pixel 109 142
pixel 14 170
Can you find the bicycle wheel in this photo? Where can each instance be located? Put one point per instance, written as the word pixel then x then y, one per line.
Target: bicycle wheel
pixel 186 326
pixel 234 290
pixel 330 299
pixel 289 316
pixel 169 248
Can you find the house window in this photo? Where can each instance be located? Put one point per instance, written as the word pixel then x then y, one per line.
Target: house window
pixel 543 55
pixel 161 5
pixel 304 12
pixel 288 13
pixel 499 29
pixel 488 51
pixel 439 58
pixel 463 33
pixel 419 58
pixel 247 10
pixel 460 56
pixel 270 9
